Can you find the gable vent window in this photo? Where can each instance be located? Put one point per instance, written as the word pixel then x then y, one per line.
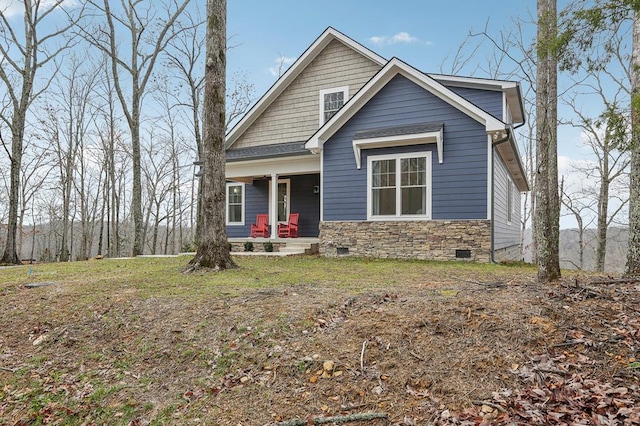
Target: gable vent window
pixel 331 100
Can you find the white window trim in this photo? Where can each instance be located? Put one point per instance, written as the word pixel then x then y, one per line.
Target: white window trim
pixel 398 216
pixel 343 89
pixel 226 213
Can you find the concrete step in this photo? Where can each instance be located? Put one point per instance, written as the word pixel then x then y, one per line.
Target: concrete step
pixel 297 248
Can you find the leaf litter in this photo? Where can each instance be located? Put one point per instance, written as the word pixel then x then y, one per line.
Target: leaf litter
pixel 451 351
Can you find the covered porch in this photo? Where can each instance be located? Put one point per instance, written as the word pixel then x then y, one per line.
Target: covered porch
pixel 273 180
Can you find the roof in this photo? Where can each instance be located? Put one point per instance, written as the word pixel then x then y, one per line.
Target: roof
pixel 399 130
pixel 510 88
pixel 394 67
pixel 267 151
pixel 292 73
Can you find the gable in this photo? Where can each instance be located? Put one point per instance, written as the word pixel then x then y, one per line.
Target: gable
pixel 499 131
pixel 293 115
pixel 459 183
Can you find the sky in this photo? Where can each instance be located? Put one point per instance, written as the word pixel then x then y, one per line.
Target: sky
pixel 427 34
pixel 422 33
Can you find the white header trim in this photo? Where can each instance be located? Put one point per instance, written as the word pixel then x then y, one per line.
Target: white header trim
pixel 399 140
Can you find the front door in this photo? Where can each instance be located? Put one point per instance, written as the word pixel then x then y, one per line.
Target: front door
pixel 284 200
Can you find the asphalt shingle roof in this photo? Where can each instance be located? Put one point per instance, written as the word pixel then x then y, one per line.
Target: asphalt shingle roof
pixel 267 151
pixel 399 130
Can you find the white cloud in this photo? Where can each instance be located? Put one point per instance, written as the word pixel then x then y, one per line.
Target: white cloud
pixel 12 8
pixel 401 37
pixel 282 63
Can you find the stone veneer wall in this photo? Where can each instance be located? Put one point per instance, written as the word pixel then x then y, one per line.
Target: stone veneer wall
pixel 429 240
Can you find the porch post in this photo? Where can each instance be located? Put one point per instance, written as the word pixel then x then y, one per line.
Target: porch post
pixel 274 205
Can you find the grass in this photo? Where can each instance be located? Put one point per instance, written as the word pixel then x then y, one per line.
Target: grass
pixel 163 277
pixel 138 341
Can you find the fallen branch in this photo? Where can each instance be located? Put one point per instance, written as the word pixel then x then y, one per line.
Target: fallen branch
pixel 336 419
pixel 364 345
pixel 415 355
pixel 491 404
pixel 10 370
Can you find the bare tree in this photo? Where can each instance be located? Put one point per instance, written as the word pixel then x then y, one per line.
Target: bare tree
pixel 136 26
pixel 185 56
pixel 578 203
pixel 36 166
pixel 547 198
pixel 22 56
pixel 212 247
pixel 592 33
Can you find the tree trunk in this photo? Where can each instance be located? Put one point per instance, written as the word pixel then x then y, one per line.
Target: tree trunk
pixel 212 247
pixel 547 199
pixel 10 255
pixel 633 250
pixel 603 214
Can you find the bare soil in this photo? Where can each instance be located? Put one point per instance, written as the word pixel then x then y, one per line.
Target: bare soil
pixel 438 350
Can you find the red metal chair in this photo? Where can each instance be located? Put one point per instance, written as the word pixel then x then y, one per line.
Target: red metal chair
pixel 261 227
pixel 289 230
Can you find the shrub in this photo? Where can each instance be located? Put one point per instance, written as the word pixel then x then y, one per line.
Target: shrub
pixel 268 246
pixel 188 247
pixel 248 246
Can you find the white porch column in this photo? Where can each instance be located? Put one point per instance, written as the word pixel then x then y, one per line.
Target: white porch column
pixel 274 205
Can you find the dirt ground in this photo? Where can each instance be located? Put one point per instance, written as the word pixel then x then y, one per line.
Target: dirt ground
pixel 438 351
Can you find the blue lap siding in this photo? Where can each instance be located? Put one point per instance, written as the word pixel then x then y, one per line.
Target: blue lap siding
pixel 459 184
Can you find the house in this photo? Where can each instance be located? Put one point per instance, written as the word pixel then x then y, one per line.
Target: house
pixel 381 159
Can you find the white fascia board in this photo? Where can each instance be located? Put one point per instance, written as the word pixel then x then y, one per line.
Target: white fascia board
pixel 394 141
pixel 373 86
pixel 292 73
pixel 240 170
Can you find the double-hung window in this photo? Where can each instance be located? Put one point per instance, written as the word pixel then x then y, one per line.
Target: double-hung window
pixel 509 201
pixel 399 186
pixel 235 203
pixel 331 100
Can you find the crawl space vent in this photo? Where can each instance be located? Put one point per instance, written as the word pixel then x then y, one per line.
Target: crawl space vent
pixel 463 254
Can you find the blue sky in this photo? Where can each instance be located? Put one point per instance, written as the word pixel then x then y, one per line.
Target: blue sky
pixel 425 34
pixel 422 33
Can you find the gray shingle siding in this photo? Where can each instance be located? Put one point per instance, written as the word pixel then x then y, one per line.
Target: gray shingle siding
pixel 459 183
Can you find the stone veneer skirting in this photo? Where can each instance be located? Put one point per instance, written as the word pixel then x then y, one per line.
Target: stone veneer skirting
pixel 429 240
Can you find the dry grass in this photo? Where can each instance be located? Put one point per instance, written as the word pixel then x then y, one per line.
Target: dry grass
pixel 138 342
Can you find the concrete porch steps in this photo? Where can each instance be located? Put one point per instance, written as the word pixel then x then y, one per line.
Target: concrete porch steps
pixel 299 247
